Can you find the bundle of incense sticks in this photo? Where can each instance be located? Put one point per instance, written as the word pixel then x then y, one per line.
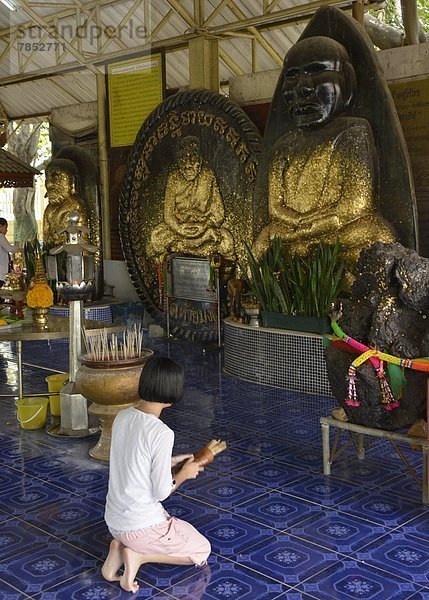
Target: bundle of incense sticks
pixel 206 455
pixel 101 347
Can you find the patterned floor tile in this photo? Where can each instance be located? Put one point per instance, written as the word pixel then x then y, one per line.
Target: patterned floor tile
pixel 404 485
pixel 287 559
pixel 163 576
pixel 369 472
pixel 387 452
pixel 390 511
pixel 37 494
pixel 41 567
pixel 270 473
pixel 10 478
pixel 227 581
pixel 324 490
pixel 297 431
pixel 337 531
pixel 262 445
pixel 401 554
pixel 228 492
pixel 16 454
pixel 231 461
pixel 88 585
pixel 418 527
pixel 16 535
pixel 229 534
pixel 272 518
pixel 308 457
pixel 93 540
pixel 294 594
pixel 348 579
pixel 192 587
pixel 277 510
pixel 66 516
pixel 48 466
pixel 422 595
pixel 82 479
pixel 8 592
pixel 189 509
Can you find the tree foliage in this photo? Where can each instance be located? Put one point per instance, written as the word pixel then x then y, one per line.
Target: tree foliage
pixel 391 14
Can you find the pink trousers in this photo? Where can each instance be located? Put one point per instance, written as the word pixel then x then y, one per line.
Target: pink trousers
pixel 172 537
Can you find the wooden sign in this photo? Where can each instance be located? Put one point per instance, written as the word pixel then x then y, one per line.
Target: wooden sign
pixel 135 88
pixel 412 103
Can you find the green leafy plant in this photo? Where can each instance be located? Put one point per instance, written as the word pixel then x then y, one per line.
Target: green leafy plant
pixel 293 284
pixel 32 250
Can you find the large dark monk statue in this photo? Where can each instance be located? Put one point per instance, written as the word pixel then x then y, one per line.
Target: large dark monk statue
pixel 322 175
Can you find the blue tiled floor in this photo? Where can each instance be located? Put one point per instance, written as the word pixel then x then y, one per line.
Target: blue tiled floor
pixel 279 529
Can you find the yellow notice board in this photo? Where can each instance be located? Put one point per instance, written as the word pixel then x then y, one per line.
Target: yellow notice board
pixel 135 88
pixel 412 103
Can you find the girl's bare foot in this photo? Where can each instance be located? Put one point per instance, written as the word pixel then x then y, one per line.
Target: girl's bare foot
pixel 132 562
pixel 113 562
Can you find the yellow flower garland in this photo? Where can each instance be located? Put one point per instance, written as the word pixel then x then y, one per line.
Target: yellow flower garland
pixel 40 295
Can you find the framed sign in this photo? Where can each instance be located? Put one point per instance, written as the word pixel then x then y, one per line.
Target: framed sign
pixel 135 88
pixel 412 103
pixel 189 279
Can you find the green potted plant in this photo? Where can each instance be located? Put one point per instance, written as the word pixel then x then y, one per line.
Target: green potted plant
pixel 295 292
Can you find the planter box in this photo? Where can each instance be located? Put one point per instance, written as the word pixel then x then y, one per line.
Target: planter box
pixel 296 323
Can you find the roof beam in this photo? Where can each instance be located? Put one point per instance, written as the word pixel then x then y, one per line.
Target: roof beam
pixel 285 16
pixel 113 36
pixel 186 16
pixel 45 26
pixel 258 35
pixel 247 26
pixel 52 18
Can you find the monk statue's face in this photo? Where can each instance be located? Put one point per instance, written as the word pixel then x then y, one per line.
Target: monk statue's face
pixel 189 164
pixel 315 87
pixel 59 184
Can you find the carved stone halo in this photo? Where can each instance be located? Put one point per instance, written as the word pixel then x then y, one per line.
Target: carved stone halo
pixel 228 144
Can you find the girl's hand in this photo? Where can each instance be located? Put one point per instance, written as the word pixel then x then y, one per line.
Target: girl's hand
pixel 190 469
pixel 175 460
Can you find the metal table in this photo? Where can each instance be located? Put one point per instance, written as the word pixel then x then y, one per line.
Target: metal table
pixel 57 328
pixel 329 454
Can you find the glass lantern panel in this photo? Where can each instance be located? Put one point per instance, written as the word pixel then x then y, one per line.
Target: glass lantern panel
pixel 74 268
pixel 88 268
pixel 51 268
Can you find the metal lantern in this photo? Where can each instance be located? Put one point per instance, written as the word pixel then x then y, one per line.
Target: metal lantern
pixel 78 287
pixel 79 268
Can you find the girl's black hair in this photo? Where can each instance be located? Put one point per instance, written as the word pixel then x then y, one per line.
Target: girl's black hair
pixel 161 380
pixel 3 221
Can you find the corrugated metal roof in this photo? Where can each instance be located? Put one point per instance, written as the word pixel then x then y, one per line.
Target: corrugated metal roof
pixel 39 96
pixel 14 172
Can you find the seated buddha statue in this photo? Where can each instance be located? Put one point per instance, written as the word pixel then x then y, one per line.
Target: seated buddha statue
pixel 60 182
pixel 323 172
pixel 193 209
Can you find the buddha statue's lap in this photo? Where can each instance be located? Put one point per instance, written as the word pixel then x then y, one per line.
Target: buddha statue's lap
pixel 211 241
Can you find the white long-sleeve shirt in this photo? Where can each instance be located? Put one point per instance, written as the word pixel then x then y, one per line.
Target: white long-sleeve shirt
pixel 139 471
pixel 5 249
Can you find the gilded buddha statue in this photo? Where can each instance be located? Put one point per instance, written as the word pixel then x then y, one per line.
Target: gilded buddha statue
pixel 60 181
pixel 323 172
pixel 193 209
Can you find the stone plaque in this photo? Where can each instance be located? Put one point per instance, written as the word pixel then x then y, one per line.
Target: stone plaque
pixel 189 279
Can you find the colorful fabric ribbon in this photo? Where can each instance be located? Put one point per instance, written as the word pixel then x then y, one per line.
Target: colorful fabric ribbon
pixel 377 360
